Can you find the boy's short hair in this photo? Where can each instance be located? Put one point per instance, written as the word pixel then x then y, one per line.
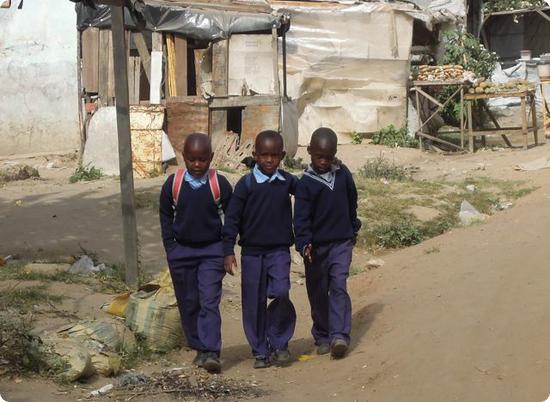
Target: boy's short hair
pixel 198 139
pixel 269 135
pixel 324 135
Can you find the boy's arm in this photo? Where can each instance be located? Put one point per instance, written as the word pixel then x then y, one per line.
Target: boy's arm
pixel 233 216
pixel 302 218
pixel 293 182
pixel 352 199
pixel 166 213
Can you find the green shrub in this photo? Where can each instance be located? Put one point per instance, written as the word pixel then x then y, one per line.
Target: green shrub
pixel 85 173
pixel 393 137
pixel 356 138
pixel 399 234
pixel 381 168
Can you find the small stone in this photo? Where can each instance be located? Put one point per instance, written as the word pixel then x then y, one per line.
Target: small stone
pixel 471 188
pixel 103 390
pixel 374 263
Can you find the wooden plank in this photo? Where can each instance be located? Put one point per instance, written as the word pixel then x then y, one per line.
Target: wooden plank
pixel 275 47
pixel 429 97
pixel 462 117
pixel 242 101
pixel 523 111
pixel 419 118
pixel 431 137
pixel 218 118
pixel 498 95
pixel 258 118
pixel 90 59
pixel 144 54
pixel 471 138
pixel 534 119
pixel 181 65
pixel 105 90
pixel 125 148
pixel 418 83
pixel 171 65
pixel 156 69
pixel 543 15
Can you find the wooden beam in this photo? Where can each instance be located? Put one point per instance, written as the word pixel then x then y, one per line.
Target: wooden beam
pixel 543 15
pixel 275 48
pixel 144 54
pixel 90 59
pixel 125 148
pixel 105 85
pixel 181 65
pixel 243 101
pixel 218 118
pixel 156 68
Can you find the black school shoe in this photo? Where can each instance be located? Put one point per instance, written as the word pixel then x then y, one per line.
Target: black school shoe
pixel 323 348
pixel 199 359
pixel 280 357
pixel 338 348
pixel 212 363
pixel 261 363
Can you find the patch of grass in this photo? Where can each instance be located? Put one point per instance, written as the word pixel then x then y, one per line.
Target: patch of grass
pixel 397 235
pixel 85 173
pixel 384 206
pixel 381 168
pixel 24 298
pixel 141 353
pixel 356 270
pixel 432 250
pixel 394 137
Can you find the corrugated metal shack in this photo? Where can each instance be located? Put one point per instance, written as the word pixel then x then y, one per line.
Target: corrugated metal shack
pixel 214 66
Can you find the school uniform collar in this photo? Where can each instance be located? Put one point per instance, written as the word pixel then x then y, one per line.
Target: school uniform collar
pixel 195 182
pixel 328 178
pixel 262 178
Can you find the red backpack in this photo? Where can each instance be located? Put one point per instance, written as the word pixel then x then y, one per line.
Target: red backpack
pixel 212 181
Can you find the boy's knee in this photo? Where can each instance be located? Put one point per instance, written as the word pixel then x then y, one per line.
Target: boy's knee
pixel 280 291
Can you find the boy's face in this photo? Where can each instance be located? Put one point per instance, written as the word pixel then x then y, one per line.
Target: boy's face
pixel 197 159
pixel 268 155
pixel 322 156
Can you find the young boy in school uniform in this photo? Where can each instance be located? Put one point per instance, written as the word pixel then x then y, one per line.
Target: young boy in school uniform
pixel 192 203
pixel 326 225
pixel 260 213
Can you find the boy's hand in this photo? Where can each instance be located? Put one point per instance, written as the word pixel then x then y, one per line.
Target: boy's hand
pixel 230 264
pixel 308 253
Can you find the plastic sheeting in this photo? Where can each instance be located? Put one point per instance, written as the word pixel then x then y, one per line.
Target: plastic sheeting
pixel 199 24
pixel 348 67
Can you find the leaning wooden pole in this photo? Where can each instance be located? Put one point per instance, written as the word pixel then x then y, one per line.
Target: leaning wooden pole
pixel 124 146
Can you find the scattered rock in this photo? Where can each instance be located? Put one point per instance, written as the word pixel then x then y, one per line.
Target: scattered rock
pixel 131 378
pixel 471 188
pixel 468 214
pixel 18 172
pixel 501 206
pixel 46 269
pixel 103 390
pixel 375 263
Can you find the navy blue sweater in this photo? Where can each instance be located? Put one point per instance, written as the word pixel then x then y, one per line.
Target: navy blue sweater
pixel 195 221
pixel 261 214
pixel 322 215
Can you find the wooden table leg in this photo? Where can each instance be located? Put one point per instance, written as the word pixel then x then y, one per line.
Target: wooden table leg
pixel 524 121
pixel 419 118
pixel 471 137
pixel 534 119
pixel 462 118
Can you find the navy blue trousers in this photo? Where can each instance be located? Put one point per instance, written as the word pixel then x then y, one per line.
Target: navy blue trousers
pixel 330 303
pixel 197 275
pixel 267 327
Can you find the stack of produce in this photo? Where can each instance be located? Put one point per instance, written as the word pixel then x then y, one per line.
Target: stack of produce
pixel 441 73
pixel 512 86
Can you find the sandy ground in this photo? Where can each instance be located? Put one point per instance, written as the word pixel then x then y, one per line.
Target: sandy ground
pixel 461 317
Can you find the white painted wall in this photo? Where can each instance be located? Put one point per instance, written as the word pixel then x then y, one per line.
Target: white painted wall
pixel 38 78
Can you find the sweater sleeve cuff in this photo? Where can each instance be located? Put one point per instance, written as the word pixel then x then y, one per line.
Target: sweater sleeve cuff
pixel 228 249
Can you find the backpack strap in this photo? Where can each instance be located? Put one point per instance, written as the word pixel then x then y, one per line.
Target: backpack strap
pixel 214 183
pixel 176 185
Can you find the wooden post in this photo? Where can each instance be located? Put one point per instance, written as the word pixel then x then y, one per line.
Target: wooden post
pixel 125 147
pixel 417 96
pixel 534 118
pixel 218 118
pixel 524 121
pixel 275 49
pixel 461 116
pixel 156 68
pixel 284 65
pixel 181 65
pixel 471 138
pixel 143 51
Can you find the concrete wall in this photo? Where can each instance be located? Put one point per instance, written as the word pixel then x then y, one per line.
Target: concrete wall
pixel 38 78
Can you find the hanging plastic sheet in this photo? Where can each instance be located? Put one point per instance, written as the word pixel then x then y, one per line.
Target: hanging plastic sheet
pixel 348 66
pixel 202 24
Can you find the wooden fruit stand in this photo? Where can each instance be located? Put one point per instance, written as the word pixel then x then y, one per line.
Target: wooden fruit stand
pixel 526 98
pixel 419 87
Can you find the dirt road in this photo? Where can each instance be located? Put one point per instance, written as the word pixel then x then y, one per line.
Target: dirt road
pixel 461 317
